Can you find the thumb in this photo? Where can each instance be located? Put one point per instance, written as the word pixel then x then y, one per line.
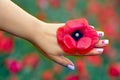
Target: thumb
pixel 63 61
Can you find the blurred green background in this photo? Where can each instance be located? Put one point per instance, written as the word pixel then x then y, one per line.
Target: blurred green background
pixel 103 14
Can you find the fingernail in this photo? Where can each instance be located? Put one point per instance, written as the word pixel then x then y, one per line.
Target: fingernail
pixel 71 67
pixel 92 26
pixel 100 50
pixel 100 34
pixel 105 42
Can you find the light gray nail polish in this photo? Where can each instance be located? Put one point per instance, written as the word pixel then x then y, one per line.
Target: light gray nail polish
pixel 100 50
pixel 100 33
pixel 92 26
pixel 105 42
pixel 71 67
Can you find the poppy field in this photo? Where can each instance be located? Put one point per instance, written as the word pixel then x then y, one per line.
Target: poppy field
pixel 20 60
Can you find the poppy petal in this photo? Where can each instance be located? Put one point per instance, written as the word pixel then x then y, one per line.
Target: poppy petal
pixel 76 24
pixel 84 43
pixel 69 42
pixel 60 33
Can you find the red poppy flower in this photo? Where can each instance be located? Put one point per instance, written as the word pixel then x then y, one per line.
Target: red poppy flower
pixel 47 75
pixel 94 60
pixel 13 65
pixel 72 77
pixel 77 36
pixel 31 59
pixel 54 3
pixel 6 44
pixel 57 69
pixel 114 70
pixel 81 66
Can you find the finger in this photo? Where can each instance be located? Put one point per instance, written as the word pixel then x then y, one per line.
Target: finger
pixel 95 51
pixel 100 34
pixel 102 43
pixel 63 61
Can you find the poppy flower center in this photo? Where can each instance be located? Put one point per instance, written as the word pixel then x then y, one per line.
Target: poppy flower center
pixel 77 35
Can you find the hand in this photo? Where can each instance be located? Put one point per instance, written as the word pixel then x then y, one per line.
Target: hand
pixel 46 41
pixel 43 35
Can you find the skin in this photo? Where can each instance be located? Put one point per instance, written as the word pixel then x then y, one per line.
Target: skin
pixel 16 21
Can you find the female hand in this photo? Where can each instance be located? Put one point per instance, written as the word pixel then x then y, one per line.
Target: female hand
pixel 46 41
pixel 16 21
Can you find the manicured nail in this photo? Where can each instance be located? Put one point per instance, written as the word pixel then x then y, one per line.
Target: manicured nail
pixel 71 67
pixel 92 26
pixel 105 42
pixel 100 50
pixel 100 34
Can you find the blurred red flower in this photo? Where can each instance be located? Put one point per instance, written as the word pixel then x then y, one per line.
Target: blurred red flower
pixel 94 60
pixel 80 66
pixel 82 70
pixel 13 65
pixel 54 3
pixel 72 77
pixel 31 60
pixel 70 5
pixel 94 7
pixel 77 36
pixel 111 31
pixel 47 75
pixel 114 70
pixel 6 44
pixel 110 52
pixel 57 68
pixel 43 4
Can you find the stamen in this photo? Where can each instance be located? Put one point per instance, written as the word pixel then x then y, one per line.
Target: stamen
pixel 76 35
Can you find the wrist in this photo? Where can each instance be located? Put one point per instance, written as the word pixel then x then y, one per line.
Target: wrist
pixel 36 31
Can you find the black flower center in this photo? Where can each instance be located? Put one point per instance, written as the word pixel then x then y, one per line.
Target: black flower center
pixel 77 35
